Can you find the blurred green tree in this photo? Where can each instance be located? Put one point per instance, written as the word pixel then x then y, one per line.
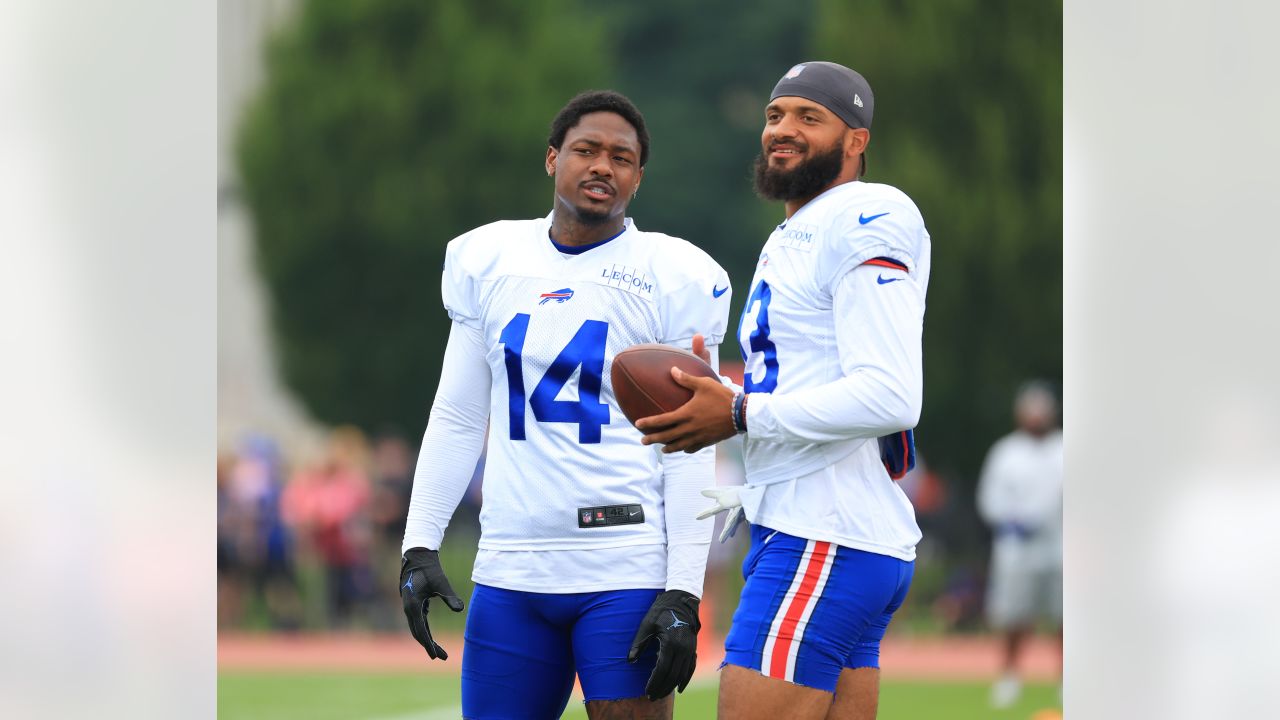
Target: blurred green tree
pixel 969 124
pixel 383 130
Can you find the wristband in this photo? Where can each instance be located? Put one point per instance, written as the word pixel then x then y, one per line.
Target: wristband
pixel 740 412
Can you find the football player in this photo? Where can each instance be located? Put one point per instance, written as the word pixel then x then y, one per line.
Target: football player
pixel 831 337
pixel 590 560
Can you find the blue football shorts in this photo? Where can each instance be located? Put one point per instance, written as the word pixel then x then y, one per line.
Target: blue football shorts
pixel 523 649
pixel 810 609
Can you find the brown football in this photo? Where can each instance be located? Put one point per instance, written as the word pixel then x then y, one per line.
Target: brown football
pixel 642 380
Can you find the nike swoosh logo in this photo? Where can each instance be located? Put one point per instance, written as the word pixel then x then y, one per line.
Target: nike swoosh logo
pixel 880 280
pixel 635 513
pixel 717 292
pixel 863 220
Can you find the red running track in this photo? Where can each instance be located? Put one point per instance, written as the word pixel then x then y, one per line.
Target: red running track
pixel 904 658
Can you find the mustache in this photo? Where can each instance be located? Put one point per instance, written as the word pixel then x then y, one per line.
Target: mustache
pixel 797 144
pixel 601 181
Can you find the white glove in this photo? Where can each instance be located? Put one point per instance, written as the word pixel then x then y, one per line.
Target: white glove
pixel 726 498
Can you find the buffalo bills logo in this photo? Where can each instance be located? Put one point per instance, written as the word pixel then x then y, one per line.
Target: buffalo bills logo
pixel 558 295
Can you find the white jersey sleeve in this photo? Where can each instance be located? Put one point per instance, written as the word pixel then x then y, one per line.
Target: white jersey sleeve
pixel 460 284
pixel 881 390
pixel 894 230
pixel 684 477
pixel 699 306
pixel 453 440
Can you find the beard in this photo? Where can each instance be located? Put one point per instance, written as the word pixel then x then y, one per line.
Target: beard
pixel 592 217
pixel 808 178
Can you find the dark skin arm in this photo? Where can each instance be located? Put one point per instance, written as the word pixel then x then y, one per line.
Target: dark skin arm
pixel 703 421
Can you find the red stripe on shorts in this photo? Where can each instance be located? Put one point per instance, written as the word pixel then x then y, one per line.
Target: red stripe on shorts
pixel 786 633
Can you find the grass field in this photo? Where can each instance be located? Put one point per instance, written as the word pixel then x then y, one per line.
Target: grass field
pixel 373 696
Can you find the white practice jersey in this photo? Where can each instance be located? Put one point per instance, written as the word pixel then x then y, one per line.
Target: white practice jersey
pixel 546 325
pixel 831 337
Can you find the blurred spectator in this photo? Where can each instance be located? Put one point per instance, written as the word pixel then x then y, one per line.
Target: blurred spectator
pixel 230 580
pixel 261 544
pixel 1020 498
pixel 328 503
pixel 389 506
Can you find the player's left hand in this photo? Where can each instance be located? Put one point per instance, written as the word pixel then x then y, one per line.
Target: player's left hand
pixel 422 578
pixel 673 621
pixel 703 421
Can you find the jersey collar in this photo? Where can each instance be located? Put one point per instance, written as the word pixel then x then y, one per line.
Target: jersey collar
pixel 627 224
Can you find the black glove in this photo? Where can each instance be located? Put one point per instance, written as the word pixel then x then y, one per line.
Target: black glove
pixel 673 620
pixel 421 578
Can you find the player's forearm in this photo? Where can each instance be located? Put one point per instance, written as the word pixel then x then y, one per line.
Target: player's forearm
pixel 453 441
pixel 864 405
pixel 687 565
pixel 688 539
pixel 445 465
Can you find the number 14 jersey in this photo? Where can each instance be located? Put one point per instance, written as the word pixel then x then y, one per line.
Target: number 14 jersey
pixel 551 323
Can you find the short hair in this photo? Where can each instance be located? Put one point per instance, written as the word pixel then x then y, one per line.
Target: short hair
pixel 599 101
pixel 1037 387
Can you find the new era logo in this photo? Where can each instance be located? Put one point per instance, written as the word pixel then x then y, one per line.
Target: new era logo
pixel 857 100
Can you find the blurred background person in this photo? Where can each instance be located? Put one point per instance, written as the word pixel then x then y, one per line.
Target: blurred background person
pixel 392 478
pixel 327 503
pixel 230 590
pixel 1020 498
pixel 255 548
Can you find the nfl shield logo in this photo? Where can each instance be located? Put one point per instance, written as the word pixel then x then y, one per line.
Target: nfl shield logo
pixel 586 516
pixel 794 71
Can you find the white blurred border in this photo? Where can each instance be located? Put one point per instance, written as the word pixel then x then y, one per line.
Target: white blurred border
pixel 108 309
pixel 1172 501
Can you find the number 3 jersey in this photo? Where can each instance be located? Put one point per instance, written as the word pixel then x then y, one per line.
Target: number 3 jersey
pixel 831 339
pixel 547 321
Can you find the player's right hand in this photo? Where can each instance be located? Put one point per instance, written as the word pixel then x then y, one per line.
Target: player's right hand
pixel 421 578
